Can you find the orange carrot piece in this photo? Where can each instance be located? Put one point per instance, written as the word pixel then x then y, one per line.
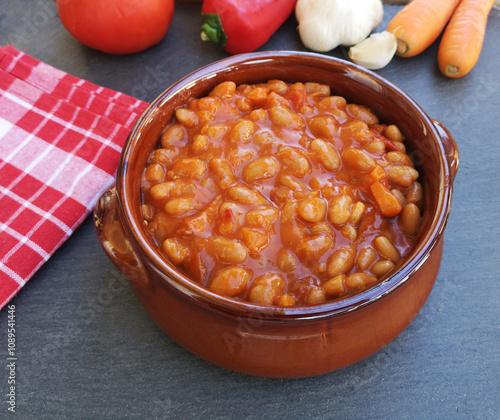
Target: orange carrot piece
pixel 419 24
pixel 386 201
pixel 463 38
pixel 297 98
pixel 378 174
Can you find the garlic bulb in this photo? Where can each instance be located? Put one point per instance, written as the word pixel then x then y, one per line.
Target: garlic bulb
pixel 374 52
pixel 326 24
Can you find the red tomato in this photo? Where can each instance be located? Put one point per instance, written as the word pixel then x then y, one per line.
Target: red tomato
pixel 117 26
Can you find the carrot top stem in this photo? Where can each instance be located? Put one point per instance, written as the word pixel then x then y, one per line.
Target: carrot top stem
pixel 402 47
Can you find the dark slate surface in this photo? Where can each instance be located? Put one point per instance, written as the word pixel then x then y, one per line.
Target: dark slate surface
pixel 87 350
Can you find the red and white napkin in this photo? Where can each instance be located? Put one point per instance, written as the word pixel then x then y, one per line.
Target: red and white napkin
pixel 60 142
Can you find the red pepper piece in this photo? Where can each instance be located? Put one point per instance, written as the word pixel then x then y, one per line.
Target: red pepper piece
pixel 240 26
pixel 389 144
pixel 228 214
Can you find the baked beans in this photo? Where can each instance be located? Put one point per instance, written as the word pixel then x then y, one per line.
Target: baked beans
pixel 281 194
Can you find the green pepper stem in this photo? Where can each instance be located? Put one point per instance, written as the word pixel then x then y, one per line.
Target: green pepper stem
pixel 212 30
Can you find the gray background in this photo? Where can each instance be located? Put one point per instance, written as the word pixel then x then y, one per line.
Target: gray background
pixel 87 349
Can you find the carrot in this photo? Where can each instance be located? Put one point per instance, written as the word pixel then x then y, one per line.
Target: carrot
pixel 378 174
pixel 463 38
pixel 419 24
pixel 386 201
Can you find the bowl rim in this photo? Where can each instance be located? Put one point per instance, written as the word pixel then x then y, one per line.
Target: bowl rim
pixel 417 256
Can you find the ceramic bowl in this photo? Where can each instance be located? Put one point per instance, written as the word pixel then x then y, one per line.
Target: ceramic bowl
pixel 266 340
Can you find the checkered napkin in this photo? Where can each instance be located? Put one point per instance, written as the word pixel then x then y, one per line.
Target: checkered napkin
pixel 60 142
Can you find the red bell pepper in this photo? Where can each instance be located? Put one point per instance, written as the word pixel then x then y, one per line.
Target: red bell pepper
pixel 240 26
pixel 389 144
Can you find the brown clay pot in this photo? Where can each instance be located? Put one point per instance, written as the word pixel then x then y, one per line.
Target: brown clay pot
pixel 274 341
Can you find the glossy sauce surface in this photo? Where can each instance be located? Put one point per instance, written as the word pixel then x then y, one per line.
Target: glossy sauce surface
pixel 281 194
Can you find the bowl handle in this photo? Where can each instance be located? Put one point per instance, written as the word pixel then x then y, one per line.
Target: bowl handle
pixel 113 239
pixel 450 146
